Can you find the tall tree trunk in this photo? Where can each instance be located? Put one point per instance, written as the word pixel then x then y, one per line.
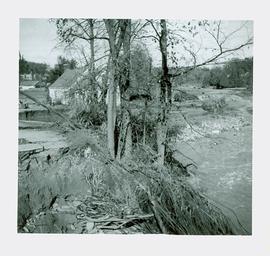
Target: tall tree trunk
pixel 111 98
pixel 165 79
pixel 165 96
pixel 125 138
pixel 144 126
pixel 92 61
pixel 128 140
pixel 111 112
pixel 161 142
pixel 92 46
pixel 115 43
pixel 125 72
pixel 105 82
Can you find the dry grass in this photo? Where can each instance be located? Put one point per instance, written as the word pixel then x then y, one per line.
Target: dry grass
pixel 122 189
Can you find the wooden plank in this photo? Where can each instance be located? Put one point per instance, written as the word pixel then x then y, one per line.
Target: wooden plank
pixel 30 147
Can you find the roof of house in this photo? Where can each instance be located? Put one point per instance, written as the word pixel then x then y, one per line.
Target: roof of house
pixel 67 79
pixel 28 83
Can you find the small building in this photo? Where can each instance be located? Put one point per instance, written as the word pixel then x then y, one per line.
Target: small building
pixel 58 91
pixel 72 78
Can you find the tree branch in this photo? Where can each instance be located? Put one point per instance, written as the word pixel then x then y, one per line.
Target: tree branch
pixel 153 26
pixel 212 59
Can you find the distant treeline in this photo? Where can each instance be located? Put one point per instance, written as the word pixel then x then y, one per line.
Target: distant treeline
pixel 27 67
pixel 42 71
pixel 234 73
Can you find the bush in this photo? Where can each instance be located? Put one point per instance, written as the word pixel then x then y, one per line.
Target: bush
pixel 83 139
pixel 214 105
pixel 138 124
pixel 235 73
pixel 184 96
pixel 177 97
pixel 87 114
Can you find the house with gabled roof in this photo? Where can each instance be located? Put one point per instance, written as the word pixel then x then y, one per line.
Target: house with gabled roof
pixel 71 78
pixel 59 90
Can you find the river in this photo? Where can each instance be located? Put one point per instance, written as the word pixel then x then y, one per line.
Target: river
pixel 224 172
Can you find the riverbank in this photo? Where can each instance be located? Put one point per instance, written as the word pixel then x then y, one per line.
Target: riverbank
pixel 74 168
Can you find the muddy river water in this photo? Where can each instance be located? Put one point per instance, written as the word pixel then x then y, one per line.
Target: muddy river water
pixel 224 172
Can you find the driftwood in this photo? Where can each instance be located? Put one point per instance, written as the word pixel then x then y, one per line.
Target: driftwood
pixel 158 218
pixel 128 219
pixel 25 155
pixel 114 223
pixel 156 215
pixel 72 124
pixel 120 223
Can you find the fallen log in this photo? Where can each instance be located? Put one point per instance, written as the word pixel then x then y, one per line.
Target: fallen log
pixel 128 219
pixel 26 154
pixel 72 125
pixel 117 223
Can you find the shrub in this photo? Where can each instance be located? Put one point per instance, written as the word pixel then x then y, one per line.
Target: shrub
pixel 88 114
pixel 182 210
pixel 184 96
pixel 178 97
pixel 84 142
pixel 214 105
pixel 138 126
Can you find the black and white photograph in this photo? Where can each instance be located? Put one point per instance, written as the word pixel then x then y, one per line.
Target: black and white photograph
pixel 135 126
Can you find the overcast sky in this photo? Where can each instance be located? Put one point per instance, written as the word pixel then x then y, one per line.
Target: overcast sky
pixel 38 40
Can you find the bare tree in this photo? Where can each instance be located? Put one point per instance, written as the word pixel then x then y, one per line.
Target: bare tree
pixel 116 30
pixel 164 91
pixel 173 38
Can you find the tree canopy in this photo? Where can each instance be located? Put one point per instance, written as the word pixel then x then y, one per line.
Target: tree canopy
pixel 27 67
pixel 234 73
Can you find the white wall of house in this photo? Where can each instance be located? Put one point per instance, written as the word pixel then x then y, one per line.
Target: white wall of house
pixel 58 95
